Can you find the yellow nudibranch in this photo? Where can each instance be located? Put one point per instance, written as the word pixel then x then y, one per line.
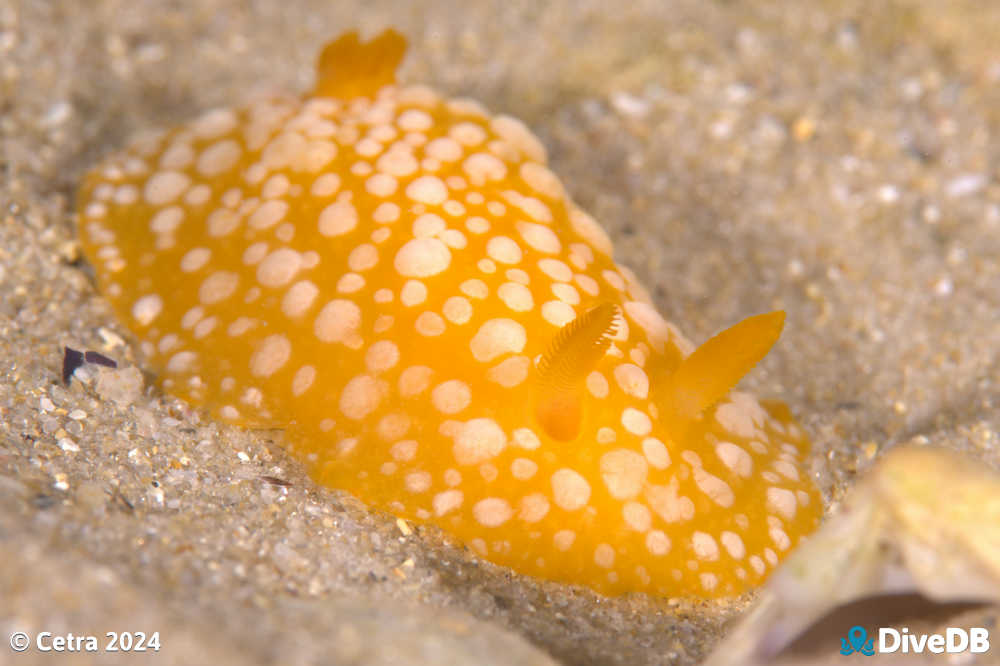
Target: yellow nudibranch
pixel 399 281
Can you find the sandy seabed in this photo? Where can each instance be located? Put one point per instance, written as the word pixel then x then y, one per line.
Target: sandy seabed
pixel 837 160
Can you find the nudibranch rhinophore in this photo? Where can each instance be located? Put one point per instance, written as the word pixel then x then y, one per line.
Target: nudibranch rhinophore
pixel 399 281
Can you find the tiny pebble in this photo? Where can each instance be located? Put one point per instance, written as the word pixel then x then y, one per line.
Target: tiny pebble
pixel 67 444
pixel 83 374
pixel 110 338
pixel 78 414
pixel 629 105
pixel 57 114
pixel 61 483
pixel 738 93
pixel 123 386
pixel 944 286
pixel 804 128
pixel 888 194
pixel 966 184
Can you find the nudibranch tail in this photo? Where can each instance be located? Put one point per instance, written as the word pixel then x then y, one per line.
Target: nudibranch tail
pixel 348 68
pixel 714 368
pixel 572 355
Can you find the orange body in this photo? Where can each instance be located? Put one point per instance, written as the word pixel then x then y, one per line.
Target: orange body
pixel 400 281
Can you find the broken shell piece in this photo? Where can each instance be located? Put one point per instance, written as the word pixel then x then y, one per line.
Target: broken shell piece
pixel 122 385
pixel 923 520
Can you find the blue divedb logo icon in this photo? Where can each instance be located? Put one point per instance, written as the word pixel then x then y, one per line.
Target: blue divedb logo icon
pixel 857 641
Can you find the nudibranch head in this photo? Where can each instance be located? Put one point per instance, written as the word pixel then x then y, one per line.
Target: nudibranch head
pixel 400 281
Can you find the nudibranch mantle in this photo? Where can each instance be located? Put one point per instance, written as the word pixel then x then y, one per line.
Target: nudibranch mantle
pixel 401 283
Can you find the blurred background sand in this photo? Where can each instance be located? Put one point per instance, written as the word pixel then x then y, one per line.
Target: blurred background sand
pixel 838 160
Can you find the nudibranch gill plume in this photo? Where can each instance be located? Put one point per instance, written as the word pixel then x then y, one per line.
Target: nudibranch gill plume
pixel 399 281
